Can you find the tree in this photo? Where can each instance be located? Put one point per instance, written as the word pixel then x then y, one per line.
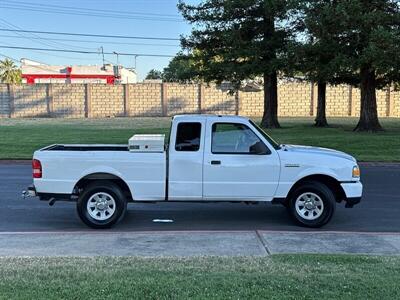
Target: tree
pixel 182 68
pixel 239 40
pixel 9 73
pixel 154 74
pixel 308 60
pixel 370 31
pixel 318 56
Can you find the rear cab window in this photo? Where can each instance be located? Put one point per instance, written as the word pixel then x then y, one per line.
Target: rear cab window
pixel 188 136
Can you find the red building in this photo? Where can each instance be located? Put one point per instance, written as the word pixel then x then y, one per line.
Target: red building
pixel 34 72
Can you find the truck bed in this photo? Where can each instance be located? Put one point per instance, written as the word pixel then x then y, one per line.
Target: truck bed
pixel 64 165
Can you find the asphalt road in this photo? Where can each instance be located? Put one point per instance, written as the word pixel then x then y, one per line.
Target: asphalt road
pixel 379 210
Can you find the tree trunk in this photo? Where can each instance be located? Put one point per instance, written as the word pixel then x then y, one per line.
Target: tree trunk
pixel 368 112
pixel 270 116
pixel 320 120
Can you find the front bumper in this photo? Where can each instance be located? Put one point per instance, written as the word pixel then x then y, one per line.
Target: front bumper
pixel 353 192
pixel 350 202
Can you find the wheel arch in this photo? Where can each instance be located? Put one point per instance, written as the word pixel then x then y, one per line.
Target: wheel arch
pixel 329 181
pixel 103 176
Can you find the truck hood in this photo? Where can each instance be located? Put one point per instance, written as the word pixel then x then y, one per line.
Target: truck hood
pixel 317 150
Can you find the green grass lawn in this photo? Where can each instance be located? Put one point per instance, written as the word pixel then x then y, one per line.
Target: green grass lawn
pixel 20 137
pixel 274 277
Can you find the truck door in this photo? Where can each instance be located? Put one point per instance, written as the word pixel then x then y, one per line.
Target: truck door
pixel 239 164
pixel 185 178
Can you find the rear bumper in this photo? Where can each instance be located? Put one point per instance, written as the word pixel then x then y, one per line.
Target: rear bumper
pixel 29 192
pixel 353 192
pixel 45 185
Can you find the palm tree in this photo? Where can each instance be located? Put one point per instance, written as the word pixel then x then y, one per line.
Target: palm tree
pixel 9 73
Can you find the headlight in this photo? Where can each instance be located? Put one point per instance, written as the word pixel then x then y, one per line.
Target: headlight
pixel 356 172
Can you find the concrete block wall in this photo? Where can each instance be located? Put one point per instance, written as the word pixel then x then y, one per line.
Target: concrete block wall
pixel 382 102
pixel 166 99
pixel 144 100
pixel 181 99
pixel 251 103
pixel 337 100
pixel 394 103
pixel 355 102
pixel 4 101
pixel 29 101
pixel 67 101
pixel 106 101
pixel 294 99
pixel 217 100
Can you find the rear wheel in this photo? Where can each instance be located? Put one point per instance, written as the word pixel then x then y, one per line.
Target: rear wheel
pixel 101 204
pixel 312 204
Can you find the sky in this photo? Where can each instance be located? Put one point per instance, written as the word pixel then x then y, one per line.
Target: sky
pixel 145 18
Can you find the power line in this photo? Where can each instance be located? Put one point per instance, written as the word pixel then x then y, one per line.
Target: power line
pixel 9 57
pixel 59 56
pixel 91 41
pixel 83 13
pixel 33 36
pixel 90 9
pixel 42 67
pixel 84 52
pixel 93 35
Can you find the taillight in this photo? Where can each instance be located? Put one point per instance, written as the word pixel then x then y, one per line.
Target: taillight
pixel 36 169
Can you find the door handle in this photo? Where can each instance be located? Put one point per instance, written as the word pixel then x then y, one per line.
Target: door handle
pixel 215 162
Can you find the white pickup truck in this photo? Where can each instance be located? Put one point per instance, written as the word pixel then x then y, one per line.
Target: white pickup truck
pixel 208 158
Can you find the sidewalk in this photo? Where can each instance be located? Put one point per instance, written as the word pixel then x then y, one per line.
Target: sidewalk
pixel 195 243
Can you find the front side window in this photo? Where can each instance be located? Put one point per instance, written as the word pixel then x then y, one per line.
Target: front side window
pixel 235 138
pixel 266 136
pixel 188 137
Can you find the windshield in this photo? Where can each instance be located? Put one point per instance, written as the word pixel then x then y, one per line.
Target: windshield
pixel 265 135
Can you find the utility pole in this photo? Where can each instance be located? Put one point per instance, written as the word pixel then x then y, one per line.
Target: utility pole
pixel 116 53
pixel 102 53
pixel 117 68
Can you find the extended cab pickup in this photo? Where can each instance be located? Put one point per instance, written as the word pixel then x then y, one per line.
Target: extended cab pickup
pixel 208 158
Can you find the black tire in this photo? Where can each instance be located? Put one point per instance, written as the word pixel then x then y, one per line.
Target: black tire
pixel 324 193
pixel 112 190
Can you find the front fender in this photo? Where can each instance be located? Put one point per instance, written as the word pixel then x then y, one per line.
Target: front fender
pixel 316 171
pixel 291 176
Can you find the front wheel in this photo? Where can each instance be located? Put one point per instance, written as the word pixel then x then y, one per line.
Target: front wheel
pixel 101 204
pixel 312 204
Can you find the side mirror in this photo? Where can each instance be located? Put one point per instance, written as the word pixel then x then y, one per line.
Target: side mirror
pixel 259 148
